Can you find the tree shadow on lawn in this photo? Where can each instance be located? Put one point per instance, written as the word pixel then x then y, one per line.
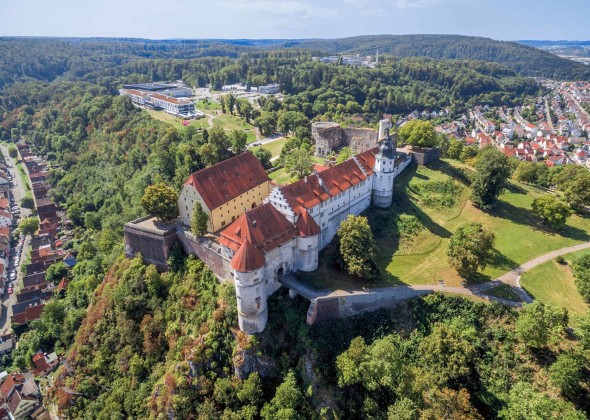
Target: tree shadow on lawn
pixel 501 261
pixel 458 174
pixel 514 189
pixel 521 216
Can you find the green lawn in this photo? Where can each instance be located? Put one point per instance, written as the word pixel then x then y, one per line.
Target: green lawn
pixel 422 259
pixel 227 122
pixel 280 176
pixel 207 106
pixel 274 147
pixel 553 284
pixel 175 121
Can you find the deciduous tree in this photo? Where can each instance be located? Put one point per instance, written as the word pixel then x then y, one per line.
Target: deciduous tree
pixel 161 201
pixel 552 210
pixel 470 249
pixel 493 170
pixel 298 163
pixel 264 157
pixel 358 249
pixel 418 133
pixel 581 268
pixel 29 226
pixel 538 324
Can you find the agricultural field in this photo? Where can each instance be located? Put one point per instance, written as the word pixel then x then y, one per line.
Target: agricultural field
pixel 553 283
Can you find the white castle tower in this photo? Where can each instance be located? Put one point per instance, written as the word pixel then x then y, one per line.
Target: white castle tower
pixel 248 269
pixel 384 172
pixel 307 242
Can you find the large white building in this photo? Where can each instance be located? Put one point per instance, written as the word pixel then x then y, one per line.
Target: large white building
pixel 270 89
pixel 286 233
pixel 176 106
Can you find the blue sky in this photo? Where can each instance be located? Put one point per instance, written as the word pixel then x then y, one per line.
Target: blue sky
pixel 498 19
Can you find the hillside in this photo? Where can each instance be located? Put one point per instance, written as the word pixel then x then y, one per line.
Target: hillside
pixel 166 346
pixel 47 59
pixel 525 60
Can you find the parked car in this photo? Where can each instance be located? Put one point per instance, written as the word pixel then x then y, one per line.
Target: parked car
pixel 11 285
pixel 10 290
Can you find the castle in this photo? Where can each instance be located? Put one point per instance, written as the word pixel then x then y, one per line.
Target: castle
pixel 330 137
pixel 258 232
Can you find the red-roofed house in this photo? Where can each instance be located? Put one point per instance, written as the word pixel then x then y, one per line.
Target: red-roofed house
pixel 44 363
pixel 225 190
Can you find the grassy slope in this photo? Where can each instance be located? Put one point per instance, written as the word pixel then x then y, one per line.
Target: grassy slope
pixel 553 283
pixel 227 122
pixel 274 147
pixel 423 260
pixel 519 236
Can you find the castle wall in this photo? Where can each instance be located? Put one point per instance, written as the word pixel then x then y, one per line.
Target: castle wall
pixel 329 137
pixel 283 257
pixel 360 139
pixel 211 253
pixel 152 240
pixel 425 156
pixel 333 307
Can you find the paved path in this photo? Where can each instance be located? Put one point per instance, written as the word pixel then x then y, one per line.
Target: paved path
pixel 399 293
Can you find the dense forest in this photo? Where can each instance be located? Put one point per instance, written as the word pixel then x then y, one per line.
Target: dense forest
pixel 143 344
pixel 166 345
pixel 46 59
pixel 524 59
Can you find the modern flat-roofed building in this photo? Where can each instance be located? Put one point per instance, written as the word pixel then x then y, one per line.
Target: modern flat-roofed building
pixel 270 89
pixel 177 90
pixel 175 106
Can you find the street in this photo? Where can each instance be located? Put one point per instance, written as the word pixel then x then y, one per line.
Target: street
pixel 18 191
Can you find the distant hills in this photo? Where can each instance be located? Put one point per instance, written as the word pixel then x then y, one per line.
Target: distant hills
pixel 567 48
pixel 526 60
pixel 23 58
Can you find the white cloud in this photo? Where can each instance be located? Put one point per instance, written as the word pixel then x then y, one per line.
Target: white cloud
pixel 415 4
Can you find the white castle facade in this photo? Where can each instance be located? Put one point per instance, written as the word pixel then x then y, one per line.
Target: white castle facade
pixel 315 206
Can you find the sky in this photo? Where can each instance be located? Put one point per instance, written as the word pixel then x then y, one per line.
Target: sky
pixel 295 19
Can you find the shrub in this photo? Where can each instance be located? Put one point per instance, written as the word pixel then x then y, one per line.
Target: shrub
pixel 439 194
pixel 409 225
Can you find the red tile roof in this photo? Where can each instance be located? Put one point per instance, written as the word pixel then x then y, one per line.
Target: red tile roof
pixel 264 227
pixel 312 190
pixel 170 99
pixel 229 179
pixel 10 382
pixel 248 258
pixel 5 231
pixel 306 225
